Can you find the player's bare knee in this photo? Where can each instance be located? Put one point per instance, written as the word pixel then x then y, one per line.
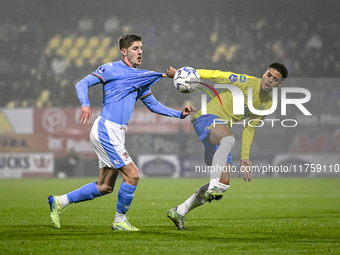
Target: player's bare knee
pixel 105 189
pixel 219 132
pixel 132 178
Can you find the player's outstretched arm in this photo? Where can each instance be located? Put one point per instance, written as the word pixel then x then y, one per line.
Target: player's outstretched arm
pixel 171 72
pixel 246 170
pixel 187 110
pixel 154 106
pixel 85 115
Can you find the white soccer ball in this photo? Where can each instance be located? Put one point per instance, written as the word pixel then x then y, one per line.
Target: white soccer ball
pixel 186 79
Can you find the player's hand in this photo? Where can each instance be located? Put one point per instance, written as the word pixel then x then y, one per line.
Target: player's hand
pixel 85 115
pixel 246 170
pixel 187 110
pixel 171 72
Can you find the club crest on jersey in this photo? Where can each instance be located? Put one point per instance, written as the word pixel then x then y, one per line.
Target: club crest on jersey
pixel 101 69
pixel 233 78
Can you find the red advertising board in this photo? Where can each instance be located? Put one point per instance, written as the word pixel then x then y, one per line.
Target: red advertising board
pixel 59 131
pixel 56 121
pixel 61 121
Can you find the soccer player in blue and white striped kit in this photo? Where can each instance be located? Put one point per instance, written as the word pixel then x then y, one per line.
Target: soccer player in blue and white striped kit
pixel 122 84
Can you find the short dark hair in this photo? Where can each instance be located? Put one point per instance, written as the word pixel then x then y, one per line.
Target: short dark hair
pixel 125 41
pixel 280 68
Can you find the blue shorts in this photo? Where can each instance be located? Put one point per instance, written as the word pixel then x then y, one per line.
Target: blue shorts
pixel 202 127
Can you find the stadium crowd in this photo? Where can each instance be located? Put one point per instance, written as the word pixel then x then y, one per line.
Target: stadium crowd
pixel 40 61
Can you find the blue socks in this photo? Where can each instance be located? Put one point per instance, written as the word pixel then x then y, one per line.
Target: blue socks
pixel 87 192
pixel 125 196
pixel 90 191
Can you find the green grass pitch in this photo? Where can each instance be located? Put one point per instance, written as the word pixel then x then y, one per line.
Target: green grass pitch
pixel 265 216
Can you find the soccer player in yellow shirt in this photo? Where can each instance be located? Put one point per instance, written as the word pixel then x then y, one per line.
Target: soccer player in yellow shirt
pixel 216 136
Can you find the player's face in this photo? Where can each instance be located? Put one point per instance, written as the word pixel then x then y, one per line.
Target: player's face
pixel 271 79
pixel 133 55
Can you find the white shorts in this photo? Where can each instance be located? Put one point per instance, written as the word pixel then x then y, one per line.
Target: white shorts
pixel 108 139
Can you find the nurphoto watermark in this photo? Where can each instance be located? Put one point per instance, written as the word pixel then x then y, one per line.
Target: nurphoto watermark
pixel 268 168
pixel 245 108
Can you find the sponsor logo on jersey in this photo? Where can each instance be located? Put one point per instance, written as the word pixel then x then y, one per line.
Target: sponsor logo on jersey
pixel 243 78
pixel 145 73
pixel 101 69
pixel 233 78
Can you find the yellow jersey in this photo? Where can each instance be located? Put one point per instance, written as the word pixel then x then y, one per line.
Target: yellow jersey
pixel 225 111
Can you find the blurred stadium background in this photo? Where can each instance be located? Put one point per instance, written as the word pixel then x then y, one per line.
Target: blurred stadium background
pixel 47 46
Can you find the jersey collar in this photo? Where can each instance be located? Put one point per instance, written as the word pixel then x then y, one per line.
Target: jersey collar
pixel 127 64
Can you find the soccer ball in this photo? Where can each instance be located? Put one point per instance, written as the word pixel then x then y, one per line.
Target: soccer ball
pixel 186 79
